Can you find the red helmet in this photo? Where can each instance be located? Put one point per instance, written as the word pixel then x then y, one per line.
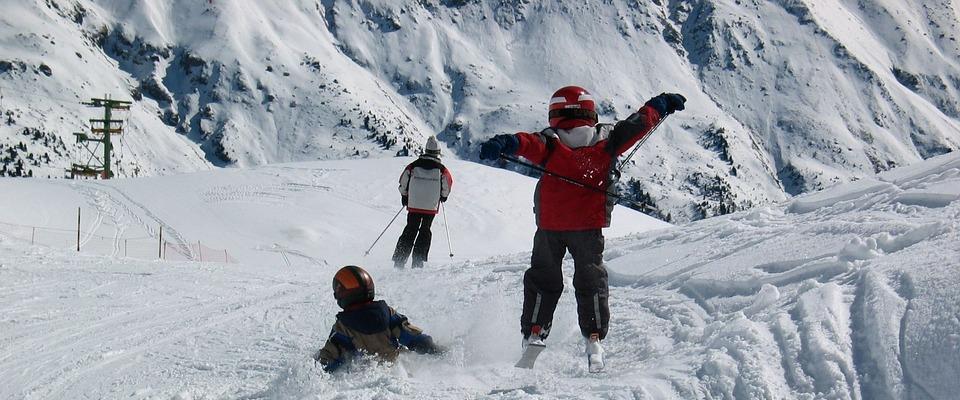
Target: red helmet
pixel 572 106
pixel 352 285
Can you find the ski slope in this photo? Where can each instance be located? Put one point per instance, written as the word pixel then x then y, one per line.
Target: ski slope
pixel 847 293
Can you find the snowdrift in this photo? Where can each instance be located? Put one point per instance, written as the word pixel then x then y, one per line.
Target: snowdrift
pixel 847 293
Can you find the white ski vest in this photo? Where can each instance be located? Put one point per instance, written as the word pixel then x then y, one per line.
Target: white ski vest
pixel 424 182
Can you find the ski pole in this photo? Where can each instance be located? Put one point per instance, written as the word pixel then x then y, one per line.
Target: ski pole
pixel 449 246
pixel 384 231
pixel 573 181
pixel 640 143
pixel 548 172
pixel 588 186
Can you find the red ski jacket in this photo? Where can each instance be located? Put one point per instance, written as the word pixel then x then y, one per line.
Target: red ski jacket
pixel 564 206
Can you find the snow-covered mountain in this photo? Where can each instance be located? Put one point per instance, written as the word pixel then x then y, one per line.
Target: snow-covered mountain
pixel 848 293
pixel 785 96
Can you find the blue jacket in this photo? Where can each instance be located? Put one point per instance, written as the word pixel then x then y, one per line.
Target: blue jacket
pixel 372 328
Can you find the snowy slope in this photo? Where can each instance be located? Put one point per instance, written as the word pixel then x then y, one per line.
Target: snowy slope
pixel 317 214
pixel 786 96
pixel 847 293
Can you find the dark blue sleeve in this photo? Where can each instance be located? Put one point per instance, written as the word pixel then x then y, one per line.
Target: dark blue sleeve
pixel 345 343
pixel 417 342
pixel 423 344
pixel 332 366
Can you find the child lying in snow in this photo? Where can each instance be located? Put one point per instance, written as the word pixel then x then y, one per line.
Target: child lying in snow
pixel 367 326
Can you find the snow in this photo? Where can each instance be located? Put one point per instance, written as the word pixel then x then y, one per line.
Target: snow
pixel 783 97
pixel 848 293
pixel 307 211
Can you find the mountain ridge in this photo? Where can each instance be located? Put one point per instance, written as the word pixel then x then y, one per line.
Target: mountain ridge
pixel 786 97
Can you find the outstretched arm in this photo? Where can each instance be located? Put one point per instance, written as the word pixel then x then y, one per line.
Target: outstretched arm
pixel 413 337
pixel 638 125
pixel 533 146
pixel 628 132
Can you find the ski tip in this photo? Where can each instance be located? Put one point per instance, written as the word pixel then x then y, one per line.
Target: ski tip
pixel 530 355
pixel 525 389
pixel 594 365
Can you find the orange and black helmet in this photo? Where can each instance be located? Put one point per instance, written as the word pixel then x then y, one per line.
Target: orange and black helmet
pixel 352 285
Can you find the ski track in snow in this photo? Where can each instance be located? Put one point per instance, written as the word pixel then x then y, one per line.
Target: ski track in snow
pixel 120 208
pixel 842 294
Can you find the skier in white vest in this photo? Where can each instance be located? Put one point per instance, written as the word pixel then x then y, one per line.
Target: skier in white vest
pixel 424 183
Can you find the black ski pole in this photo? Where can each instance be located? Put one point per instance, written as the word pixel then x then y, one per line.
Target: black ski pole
pixel 548 172
pixel 640 143
pixel 572 181
pixel 591 187
pixel 384 231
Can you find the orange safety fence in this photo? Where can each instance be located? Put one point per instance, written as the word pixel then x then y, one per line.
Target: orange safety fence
pixel 195 252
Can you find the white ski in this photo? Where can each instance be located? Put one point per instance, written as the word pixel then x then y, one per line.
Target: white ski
pixel 525 389
pixel 595 363
pixel 530 354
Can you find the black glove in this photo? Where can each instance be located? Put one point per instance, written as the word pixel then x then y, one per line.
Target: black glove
pixel 500 144
pixel 443 199
pixel 667 103
pixel 403 200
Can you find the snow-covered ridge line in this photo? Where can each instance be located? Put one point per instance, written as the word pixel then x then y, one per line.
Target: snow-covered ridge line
pixel 785 97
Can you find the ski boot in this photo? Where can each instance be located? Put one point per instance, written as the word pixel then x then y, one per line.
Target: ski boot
pixel 536 337
pixel 532 347
pixel 594 353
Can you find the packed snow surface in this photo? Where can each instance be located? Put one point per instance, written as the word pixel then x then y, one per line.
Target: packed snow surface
pixel 848 293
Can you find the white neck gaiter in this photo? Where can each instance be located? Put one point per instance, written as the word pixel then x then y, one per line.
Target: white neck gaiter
pixel 580 136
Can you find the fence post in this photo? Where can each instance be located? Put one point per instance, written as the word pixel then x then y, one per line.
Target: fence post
pixel 124 247
pixel 78 229
pixel 200 250
pixel 160 244
pixel 33 234
pixel 226 258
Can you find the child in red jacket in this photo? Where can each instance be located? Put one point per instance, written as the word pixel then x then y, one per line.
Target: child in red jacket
pixel 569 216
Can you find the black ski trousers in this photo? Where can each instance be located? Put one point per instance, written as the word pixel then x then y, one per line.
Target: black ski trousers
pixel 543 282
pixel 416 237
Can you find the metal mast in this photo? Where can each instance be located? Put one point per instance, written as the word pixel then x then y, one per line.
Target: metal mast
pixel 101 129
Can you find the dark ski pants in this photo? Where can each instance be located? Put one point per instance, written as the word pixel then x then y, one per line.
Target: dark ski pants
pixel 543 282
pixel 416 237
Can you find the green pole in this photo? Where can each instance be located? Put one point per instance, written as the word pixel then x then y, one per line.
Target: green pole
pixel 107 174
pixel 78 229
